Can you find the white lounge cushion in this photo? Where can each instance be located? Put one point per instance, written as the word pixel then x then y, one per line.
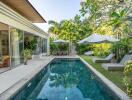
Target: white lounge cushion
pixel 117 66
pixel 105 60
pixel 88 53
pixel 109 57
pixel 113 66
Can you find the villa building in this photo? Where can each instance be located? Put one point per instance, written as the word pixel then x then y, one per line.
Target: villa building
pixel 16 27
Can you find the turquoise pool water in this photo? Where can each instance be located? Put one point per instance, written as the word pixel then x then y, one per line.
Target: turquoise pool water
pixel 65 79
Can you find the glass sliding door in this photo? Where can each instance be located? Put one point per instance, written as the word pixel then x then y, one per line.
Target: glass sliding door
pixel 43 45
pixel 4 46
pixel 38 45
pixel 17 46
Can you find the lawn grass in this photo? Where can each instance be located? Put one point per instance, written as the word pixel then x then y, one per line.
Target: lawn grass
pixel 115 76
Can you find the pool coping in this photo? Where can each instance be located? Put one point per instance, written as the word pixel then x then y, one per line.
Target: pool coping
pixel 121 94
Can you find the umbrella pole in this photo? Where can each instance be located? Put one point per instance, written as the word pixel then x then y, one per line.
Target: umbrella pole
pixel 69 47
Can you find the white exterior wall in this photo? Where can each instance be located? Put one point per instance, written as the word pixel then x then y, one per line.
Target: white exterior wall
pixel 12 18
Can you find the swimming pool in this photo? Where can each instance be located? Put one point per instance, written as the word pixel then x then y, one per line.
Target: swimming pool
pixel 65 79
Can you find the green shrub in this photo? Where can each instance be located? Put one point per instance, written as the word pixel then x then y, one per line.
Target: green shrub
pixel 82 48
pixel 27 55
pixel 102 49
pixel 128 77
pixel 58 47
pixel 121 48
pixel 63 47
pixel 30 43
pixel 53 47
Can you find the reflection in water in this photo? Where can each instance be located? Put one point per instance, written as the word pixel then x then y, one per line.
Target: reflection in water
pixel 70 79
pixel 66 79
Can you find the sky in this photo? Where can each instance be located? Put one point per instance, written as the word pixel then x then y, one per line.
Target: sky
pixel 56 10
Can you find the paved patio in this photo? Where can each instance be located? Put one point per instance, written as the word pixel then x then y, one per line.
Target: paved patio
pixel 4 69
pixel 20 75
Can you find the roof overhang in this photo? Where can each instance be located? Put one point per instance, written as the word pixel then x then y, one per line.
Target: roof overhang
pixel 24 8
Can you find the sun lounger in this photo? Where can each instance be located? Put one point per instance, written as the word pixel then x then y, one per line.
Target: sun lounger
pixel 105 60
pixel 89 53
pixel 117 66
pixel 54 53
pixel 64 53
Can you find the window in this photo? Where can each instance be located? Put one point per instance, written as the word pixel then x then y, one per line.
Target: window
pixel 4 46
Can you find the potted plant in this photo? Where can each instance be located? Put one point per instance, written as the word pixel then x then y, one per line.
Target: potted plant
pixel 27 55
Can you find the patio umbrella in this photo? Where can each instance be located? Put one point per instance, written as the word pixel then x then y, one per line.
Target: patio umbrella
pixel 60 41
pixel 97 38
pixel 94 38
pixel 111 39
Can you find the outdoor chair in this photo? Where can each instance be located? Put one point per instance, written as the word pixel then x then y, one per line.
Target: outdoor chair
pixel 54 53
pixel 117 66
pixel 105 60
pixel 64 53
pixel 60 53
pixel 5 62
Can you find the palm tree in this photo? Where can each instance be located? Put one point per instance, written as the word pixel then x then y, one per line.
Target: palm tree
pixel 55 28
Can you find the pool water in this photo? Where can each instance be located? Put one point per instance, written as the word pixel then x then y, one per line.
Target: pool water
pixel 65 79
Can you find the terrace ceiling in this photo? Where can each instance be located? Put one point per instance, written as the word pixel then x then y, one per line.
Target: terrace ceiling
pixel 24 8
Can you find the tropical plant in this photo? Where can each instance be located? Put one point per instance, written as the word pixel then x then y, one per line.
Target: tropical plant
pixel 119 21
pixel 82 48
pixel 55 28
pixel 72 30
pixel 115 11
pixel 30 43
pixel 63 47
pixel 53 48
pixel 121 48
pixel 128 77
pixel 27 55
pixel 102 49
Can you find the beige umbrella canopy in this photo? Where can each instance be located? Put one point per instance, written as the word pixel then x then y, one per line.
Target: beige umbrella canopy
pixel 60 41
pixel 97 38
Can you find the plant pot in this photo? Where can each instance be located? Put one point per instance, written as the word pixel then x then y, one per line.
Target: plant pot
pixel 25 62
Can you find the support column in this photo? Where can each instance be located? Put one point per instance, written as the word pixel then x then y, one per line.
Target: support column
pixel 48 45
